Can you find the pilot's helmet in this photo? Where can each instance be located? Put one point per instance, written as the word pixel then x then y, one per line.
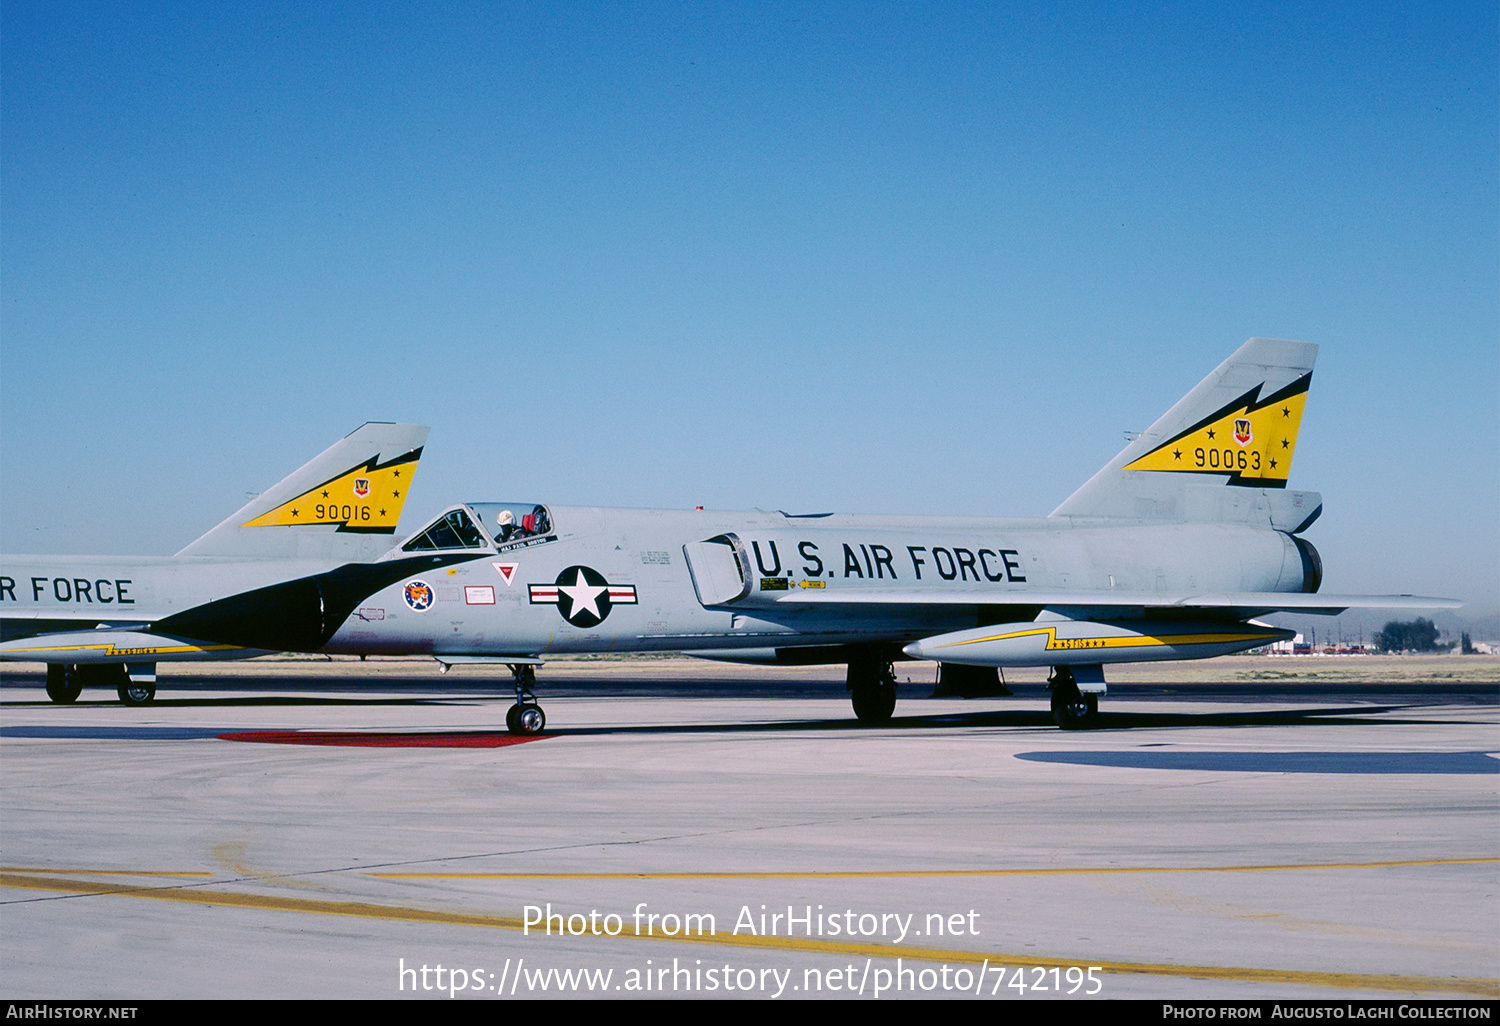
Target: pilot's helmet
pixel 506 518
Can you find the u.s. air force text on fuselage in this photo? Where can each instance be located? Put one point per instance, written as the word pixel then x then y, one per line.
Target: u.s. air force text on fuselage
pixel 875 561
pixel 75 590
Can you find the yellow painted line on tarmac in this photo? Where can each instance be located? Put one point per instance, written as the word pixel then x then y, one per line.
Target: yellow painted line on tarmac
pixel 363 910
pixel 100 872
pixel 939 873
pixel 231 855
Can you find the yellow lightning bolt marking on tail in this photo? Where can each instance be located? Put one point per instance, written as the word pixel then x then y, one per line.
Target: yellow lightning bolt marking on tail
pixel 1222 445
pixel 364 498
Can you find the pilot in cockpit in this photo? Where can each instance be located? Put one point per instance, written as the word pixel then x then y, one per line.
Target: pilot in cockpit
pixel 508 529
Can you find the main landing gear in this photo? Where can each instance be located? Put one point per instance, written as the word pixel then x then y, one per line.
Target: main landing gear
pixel 66 681
pixel 872 688
pixel 526 716
pixel 135 692
pixel 1072 709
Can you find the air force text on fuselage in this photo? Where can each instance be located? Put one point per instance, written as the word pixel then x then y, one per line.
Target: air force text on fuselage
pixel 79 591
pixel 874 561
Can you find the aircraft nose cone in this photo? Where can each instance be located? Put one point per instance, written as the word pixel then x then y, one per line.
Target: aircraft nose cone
pixel 915 650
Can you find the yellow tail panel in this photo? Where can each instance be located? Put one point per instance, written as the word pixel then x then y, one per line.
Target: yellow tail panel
pixel 367 497
pixel 1252 440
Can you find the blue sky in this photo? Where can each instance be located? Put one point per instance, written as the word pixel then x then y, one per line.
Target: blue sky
pixel 867 257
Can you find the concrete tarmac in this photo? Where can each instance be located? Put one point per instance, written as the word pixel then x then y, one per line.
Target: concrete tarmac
pixel 294 829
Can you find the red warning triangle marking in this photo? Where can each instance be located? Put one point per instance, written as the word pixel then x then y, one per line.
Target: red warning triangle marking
pixel 507 571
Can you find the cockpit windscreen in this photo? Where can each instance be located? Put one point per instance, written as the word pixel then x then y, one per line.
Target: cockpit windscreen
pixel 453 530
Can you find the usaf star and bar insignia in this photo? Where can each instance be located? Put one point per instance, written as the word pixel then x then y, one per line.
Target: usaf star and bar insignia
pixel 582 596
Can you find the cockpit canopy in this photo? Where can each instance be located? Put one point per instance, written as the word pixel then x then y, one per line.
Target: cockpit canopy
pixel 480 525
pixel 524 520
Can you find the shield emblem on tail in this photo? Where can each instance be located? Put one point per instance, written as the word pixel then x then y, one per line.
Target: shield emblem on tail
pixel 1242 430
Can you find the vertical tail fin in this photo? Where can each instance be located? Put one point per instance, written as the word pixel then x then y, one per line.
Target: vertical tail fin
pixel 1222 453
pixel 332 505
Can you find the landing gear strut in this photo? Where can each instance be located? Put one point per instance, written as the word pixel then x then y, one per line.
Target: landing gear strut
pixel 1071 708
pixel 526 716
pixel 872 688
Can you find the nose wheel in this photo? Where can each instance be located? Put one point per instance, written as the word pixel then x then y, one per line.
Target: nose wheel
pixel 526 716
pixel 525 719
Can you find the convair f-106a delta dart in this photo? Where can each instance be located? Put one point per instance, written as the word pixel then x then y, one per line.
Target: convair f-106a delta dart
pixel 1169 552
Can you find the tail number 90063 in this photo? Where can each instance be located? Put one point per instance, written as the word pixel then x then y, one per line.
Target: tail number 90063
pixel 1227 459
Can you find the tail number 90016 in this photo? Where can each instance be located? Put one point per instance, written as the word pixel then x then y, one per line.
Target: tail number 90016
pixel 345 513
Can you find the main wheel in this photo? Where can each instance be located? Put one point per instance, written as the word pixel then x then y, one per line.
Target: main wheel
pixel 874 703
pixel 1072 709
pixel 63 683
pixel 133 693
pixel 872 688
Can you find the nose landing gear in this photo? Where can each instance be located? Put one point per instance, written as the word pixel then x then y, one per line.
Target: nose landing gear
pixel 526 716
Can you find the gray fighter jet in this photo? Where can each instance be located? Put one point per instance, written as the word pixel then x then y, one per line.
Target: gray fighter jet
pixel 1169 552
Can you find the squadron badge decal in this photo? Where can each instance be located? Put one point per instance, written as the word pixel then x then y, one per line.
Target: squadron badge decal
pixel 418 595
pixel 582 596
